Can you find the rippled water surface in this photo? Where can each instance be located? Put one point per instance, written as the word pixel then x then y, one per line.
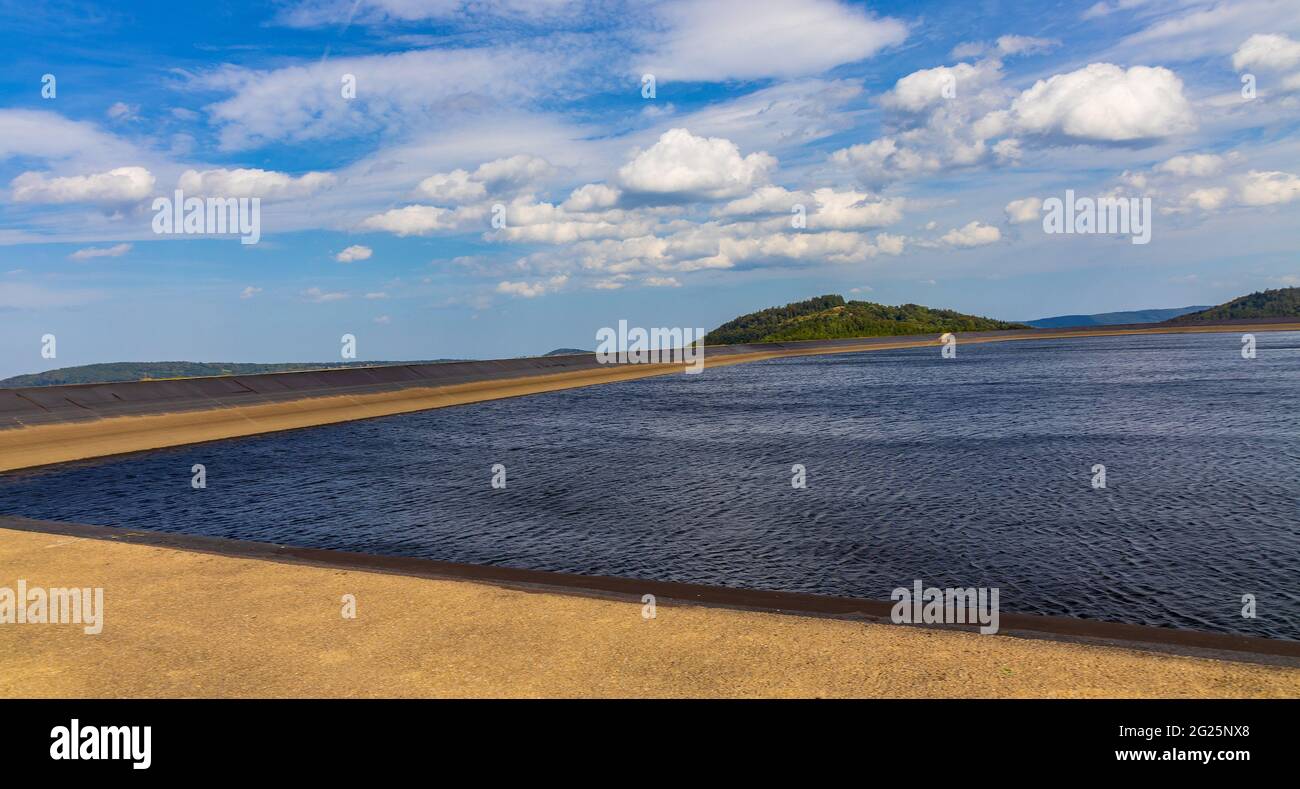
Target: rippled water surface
pixel 974 471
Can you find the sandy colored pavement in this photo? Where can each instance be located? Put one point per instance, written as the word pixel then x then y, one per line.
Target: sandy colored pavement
pixel 188 624
pixel 32 446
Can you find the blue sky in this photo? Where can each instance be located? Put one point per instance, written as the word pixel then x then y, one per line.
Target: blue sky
pixel 918 138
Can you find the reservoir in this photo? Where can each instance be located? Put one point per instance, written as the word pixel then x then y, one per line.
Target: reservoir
pixel 976 471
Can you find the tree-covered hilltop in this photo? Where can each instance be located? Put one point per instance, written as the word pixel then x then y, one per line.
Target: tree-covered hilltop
pixel 1279 303
pixel 831 317
pixel 115 372
pixel 756 325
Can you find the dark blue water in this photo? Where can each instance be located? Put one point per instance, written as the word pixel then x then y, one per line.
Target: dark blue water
pixel 974 471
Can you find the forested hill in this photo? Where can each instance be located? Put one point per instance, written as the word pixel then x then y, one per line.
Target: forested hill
pixel 831 317
pixel 1279 303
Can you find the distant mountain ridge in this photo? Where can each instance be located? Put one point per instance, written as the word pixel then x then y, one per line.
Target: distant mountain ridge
pixel 1278 303
pixel 831 317
pixel 1113 318
pixel 116 372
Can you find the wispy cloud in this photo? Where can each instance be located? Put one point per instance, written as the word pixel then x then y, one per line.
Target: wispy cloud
pixel 319 296
pixel 115 251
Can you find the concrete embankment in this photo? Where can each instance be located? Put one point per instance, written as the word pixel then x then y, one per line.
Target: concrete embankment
pixel 202 617
pixel 45 425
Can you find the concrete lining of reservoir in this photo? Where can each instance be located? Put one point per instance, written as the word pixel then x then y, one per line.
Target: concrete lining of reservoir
pixel 1197 643
pixel 55 424
pixel 213 617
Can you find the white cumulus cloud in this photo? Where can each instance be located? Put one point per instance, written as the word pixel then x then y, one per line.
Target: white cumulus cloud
pixel 592 197
pixel 1207 199
pixel 1269 51
pixel 251 182
pixel 117 186
pixel 531 290
pixel 419 220
pixel 513 171
pixel 1024 210
pixel 883 159
pixel 1103 102
pixel 456 186
pixel 973 234
pixel 927 87
pixel 354 253
pixel 508 175
pixel 681 163
pixel 1016 45
pixel 1269 188
pixel 850 210
pixel 1194 165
